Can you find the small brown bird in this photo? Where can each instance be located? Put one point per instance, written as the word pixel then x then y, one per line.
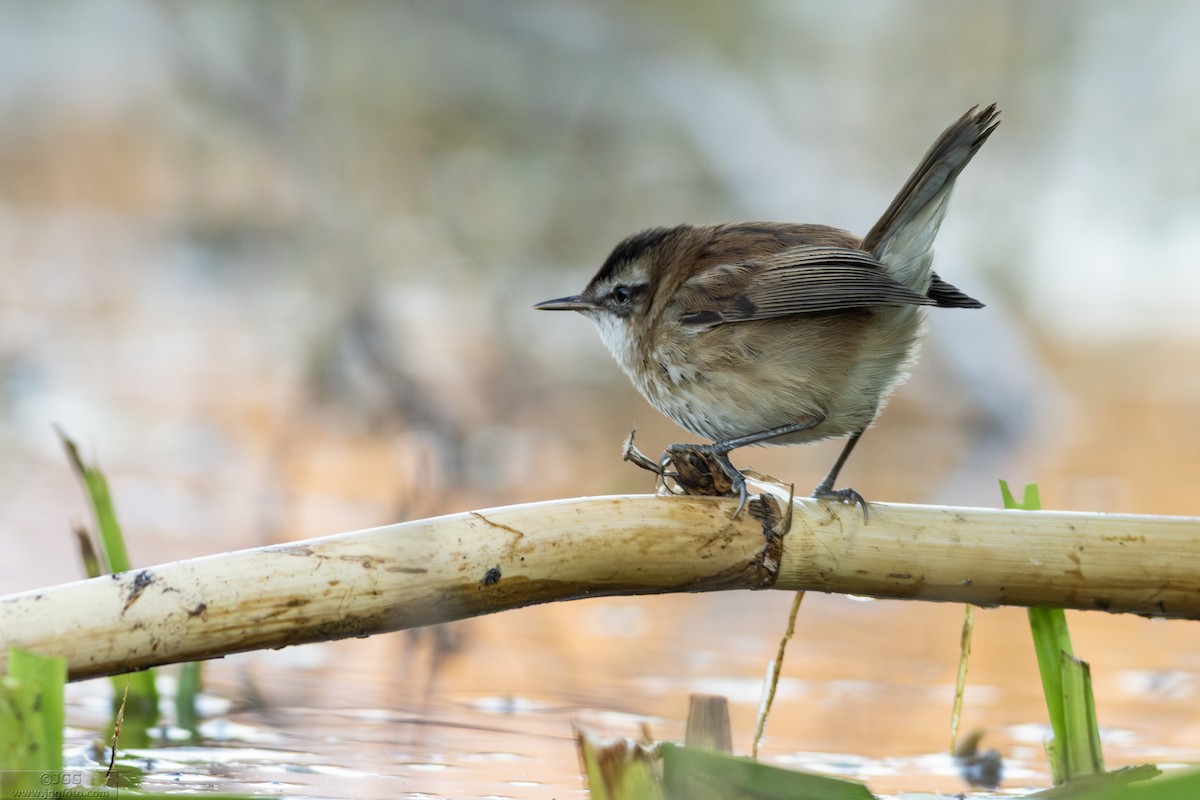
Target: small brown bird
pixel 781 333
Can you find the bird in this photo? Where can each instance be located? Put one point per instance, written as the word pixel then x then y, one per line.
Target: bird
pixel 780 333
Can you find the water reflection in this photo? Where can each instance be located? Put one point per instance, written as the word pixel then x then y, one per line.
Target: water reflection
pixel 873 705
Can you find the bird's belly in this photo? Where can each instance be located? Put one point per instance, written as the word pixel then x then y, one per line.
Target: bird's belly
pixel 723 405
pixel 753 380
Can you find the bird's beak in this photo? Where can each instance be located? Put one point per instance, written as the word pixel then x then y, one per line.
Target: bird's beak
pixel 572 303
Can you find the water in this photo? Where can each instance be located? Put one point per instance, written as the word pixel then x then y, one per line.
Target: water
pixel 865 693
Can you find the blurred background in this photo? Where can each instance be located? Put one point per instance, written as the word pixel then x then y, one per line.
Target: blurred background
pixel 272 264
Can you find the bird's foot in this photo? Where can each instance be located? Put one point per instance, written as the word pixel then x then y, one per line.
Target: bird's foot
pixel 695 469
pixel 847 496
pixel 705 469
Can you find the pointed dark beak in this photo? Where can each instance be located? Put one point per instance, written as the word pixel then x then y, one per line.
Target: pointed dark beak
pixel 572 303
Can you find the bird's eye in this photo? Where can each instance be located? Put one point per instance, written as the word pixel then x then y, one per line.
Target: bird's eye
pixel 621 294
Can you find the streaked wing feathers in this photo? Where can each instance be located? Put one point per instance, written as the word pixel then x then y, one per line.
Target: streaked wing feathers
pixel 800 280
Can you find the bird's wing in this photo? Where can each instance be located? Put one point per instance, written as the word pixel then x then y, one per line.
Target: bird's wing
pixel 800 280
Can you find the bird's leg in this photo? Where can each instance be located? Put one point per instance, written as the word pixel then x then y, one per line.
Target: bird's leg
pixel 825 490
pixel 683 457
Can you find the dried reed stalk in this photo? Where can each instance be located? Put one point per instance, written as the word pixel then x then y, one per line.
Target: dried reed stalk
pixel 479 562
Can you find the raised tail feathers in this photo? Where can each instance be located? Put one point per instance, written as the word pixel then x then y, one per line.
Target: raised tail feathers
pixel 903 238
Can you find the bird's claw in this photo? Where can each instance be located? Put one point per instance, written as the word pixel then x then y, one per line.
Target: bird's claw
pixel 703 469
pixel 696 469
pixel 847 496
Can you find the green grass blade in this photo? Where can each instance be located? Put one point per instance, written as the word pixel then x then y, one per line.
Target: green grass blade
pixel 1082 734
pixel 186 692
pixel 1175 786
pixel 1066 682
pixel 32 715
pixel 1032 501
pixel 690 774
pixel 48 676
pixel 137 690
pixel 22 741
pixel 112 544
pixel 1051 642
pixel 1128 783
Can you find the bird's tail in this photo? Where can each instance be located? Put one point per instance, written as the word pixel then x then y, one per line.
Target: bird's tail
pixel 902 240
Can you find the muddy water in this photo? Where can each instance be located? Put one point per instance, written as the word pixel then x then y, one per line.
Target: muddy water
pixel 486 708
